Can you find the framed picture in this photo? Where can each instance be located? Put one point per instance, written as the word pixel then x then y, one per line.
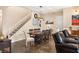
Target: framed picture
pixel 75 20
pixel 36 21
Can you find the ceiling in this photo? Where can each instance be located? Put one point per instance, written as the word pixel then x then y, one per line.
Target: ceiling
pixel 42 9
pixel 46 9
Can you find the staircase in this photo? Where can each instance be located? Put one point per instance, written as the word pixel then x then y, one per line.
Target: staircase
pixel 18 25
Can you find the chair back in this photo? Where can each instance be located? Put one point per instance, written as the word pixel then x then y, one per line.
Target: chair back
pixel 46 34
pixel 57 38
pixel 38 39
pixel 66 33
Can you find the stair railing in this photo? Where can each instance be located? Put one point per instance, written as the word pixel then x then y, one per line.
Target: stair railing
pixel 18 25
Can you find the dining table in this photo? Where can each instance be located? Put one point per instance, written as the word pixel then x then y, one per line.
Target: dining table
pixel 37 35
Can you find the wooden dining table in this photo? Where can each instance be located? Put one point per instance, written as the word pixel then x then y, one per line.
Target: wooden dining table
pixel 37 35
pixel 33 34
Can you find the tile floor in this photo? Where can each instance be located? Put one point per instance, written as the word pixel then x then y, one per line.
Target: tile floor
pixel 46 47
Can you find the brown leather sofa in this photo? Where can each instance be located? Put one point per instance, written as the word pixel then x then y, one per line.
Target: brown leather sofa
pixel 65 45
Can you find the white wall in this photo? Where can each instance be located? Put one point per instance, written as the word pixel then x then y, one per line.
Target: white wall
pixel 11 15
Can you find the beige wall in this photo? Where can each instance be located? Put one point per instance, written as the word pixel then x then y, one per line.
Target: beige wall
pixel 47 17
pixel 0 22
pixel 11 15
pixel 51 17
pixel 67 17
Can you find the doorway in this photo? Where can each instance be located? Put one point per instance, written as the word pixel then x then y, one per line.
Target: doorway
pixel 59 23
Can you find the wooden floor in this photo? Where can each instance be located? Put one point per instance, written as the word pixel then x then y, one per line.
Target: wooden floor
pixel 46 47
